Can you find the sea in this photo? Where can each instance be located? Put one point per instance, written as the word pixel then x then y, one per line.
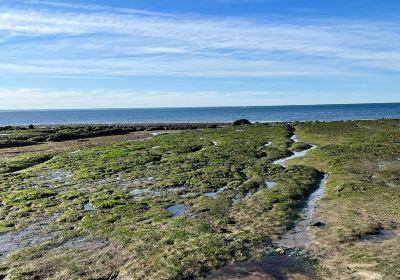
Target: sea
pixel 202 115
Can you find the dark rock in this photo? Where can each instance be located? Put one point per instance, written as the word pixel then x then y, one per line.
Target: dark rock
pixel 317 224
pixel 241 122
pixel 230 221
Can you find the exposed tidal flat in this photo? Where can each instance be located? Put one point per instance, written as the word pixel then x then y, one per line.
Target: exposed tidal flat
pixel 213 201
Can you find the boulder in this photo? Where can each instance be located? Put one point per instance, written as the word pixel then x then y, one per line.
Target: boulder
pixel 241 122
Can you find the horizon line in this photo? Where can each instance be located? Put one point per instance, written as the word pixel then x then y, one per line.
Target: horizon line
pixel 195 107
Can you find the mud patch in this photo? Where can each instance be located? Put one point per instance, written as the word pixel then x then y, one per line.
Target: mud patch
pixel 57 176
pixel 277 267
pixel 380 236
pixel 81 242
pixel 31 235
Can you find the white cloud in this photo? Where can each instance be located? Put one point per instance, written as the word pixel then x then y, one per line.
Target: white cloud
pixel 27 98
pixel 58 38
pixel 37 98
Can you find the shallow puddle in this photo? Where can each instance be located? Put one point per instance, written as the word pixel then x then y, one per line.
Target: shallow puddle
pixel 175 189
pixel 88 207
pixel 178 210
pixel 139 192
pixel 299 236
pixel 270 184
pixel 392 185
pixel 188 195
pixel 294 138
pixel 214 194
pixel 282 162
pixel 156 192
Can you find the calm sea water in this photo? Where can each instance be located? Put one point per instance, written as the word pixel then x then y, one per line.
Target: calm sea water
pixel 215 114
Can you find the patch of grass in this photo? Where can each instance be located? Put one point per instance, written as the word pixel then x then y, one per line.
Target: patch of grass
pixel 300 146
pixel 23 162
pixel 30 135
pixel 25 196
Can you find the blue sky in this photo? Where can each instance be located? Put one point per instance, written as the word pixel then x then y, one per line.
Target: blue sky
pixel 168 53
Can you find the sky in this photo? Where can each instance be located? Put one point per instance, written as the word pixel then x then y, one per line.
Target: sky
pixel 57 54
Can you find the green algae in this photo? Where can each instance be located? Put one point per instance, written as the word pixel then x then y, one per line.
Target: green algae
pixel 237 224
pixel 362 196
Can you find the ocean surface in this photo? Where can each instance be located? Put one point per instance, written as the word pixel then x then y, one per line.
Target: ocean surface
pixel 212 114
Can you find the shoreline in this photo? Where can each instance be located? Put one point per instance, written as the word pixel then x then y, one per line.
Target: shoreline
pixel 218 115
pixel 170 124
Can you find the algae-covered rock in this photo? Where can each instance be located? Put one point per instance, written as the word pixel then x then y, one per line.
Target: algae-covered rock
pixel 241 122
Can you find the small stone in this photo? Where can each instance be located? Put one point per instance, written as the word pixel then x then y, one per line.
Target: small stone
pixel 280 251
